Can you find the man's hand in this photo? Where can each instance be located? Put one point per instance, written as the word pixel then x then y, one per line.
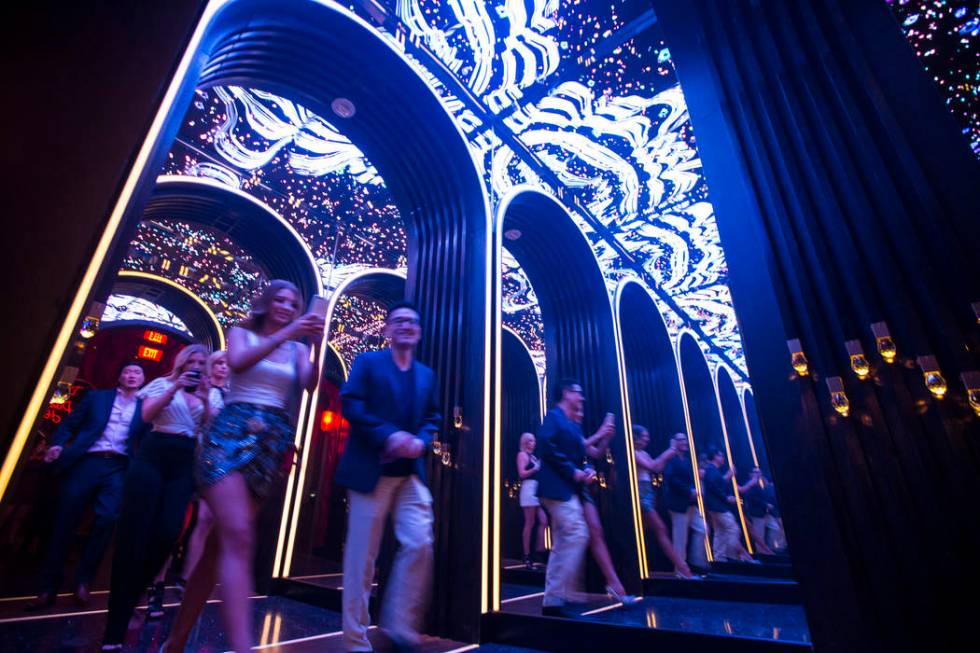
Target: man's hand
pixel 584 476
pixel 402 444
pixel 731 500
pixel 52 454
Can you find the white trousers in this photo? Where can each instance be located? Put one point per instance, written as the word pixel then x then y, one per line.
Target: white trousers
pixel 409 503
pixel 680 523
pixel 725 541
pixel 569 540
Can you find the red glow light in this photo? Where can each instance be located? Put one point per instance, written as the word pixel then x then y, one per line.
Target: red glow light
pixel 327 420
pixel 149 353
pixel 155 337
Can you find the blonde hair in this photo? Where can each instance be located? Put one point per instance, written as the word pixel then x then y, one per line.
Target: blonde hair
pixel 214 358
pixel 525 438
pixel 183 356
pixel 262 301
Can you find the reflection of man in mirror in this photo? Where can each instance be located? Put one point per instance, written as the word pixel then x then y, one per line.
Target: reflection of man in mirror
pixel 90 452
pixel 679 496
pixel 756 509
pixel 390 401
pixel 563 475
pixel 718 501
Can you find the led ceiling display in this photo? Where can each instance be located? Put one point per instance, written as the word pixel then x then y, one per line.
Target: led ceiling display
pixel 126 308
pixel 577 98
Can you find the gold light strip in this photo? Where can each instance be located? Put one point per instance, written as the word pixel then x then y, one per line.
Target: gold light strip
pixel 639 535
pixel 728 454
pixel 79 301
pixel 490 558
pixel 207 309
pixel 698 492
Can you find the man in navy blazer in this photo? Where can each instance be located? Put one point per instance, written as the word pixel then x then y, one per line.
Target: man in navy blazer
pixel 562 478
pixel 390 401
pixel 90 453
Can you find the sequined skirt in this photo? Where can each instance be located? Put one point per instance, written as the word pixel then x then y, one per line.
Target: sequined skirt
pixel 249 439
pixel 646 496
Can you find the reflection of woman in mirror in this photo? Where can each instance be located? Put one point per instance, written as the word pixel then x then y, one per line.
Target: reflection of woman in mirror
pixel 596 447
pixel 159 484
pixel 243 452
pixel 646 466
pixel 527 466
pixel 218 374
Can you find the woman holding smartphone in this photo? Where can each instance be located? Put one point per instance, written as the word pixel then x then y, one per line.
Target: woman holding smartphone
pixel 159 484
pixel 242 453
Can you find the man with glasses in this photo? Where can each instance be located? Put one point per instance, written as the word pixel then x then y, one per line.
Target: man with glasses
pixel 390 401
pixel 562 476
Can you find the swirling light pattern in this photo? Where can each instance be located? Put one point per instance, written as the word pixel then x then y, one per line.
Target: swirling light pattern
pixel 945 34
pixel 126 308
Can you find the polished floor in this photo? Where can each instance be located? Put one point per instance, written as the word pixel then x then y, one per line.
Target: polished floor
pixel 280 625
pixel 777 622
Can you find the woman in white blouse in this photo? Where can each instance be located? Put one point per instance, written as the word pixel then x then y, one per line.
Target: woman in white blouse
pixel 159 483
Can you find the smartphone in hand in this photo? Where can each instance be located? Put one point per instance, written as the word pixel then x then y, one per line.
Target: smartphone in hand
pixel 318 306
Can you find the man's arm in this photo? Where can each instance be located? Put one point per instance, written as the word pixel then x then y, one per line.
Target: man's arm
pixel 354 395
pixel 72 424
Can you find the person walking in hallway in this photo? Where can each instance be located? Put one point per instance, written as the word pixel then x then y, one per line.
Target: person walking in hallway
pixel 90 453
pixel 391 404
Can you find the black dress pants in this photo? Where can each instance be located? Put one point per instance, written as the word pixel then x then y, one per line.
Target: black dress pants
pixel 95 480
pixel 158 488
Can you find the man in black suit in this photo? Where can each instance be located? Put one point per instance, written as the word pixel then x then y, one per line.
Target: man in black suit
pixel 719 501
pixel 390 401
pixel 90 453
pixel 562 478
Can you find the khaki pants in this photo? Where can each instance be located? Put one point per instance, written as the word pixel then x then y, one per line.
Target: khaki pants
pixel 725 536
pixel 757 530
pixel 409 503
pixel 680 523
pixel 569 539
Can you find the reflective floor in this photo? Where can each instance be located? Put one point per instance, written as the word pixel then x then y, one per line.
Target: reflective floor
pixel 779 622
pixel 280 625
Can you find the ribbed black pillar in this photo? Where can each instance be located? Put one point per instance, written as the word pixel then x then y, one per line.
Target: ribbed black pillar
pixel 846 196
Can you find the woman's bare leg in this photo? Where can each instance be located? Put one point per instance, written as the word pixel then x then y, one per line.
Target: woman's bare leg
pixel 234 513
pixel 654 521
pixel 199 587
pixel 528 527
pixel 597 544
pixel 195 547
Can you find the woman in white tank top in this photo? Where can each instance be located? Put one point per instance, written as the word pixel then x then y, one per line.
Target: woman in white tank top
pixel 242 454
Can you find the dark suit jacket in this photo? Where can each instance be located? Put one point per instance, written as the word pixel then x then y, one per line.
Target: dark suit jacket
pixel 373 408
pixel 716 490
pixel 86 423
pixel 562 448
pixel 678 483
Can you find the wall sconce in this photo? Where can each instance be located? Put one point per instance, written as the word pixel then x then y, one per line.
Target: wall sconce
pixel 797 358
pixel 883 338
pixel 838 398
pixel 972 382
pixel 609 457
pixel 933 378
pixel 457 417
pixel 62 391
pixel 90 324
pixel 976 310
pixel 858 361
pixel 436 447
pixel 447 458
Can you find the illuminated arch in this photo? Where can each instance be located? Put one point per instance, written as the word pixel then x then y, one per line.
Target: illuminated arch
pixel 198 316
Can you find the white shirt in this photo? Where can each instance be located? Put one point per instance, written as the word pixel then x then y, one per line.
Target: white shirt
pixel 116 433
pixel 268 382
pixel 177 417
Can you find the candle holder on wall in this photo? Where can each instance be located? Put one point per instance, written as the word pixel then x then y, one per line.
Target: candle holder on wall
pixel 838 397
pixel 797 358
pixel 932 376
pixel 971 380
pixel 859 363
pixel 884 342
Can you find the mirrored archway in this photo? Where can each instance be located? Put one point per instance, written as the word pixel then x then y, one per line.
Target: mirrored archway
pixel 739 447
pixel 654 391
pixel 579 342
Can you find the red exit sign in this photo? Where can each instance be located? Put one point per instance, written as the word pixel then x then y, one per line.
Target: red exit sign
pixel 150 353
pixel 155 337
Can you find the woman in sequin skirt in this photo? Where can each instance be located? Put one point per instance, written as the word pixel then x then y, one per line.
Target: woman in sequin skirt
pixel 242 454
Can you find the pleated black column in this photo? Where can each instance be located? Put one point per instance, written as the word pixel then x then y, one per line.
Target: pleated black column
pixel 845 196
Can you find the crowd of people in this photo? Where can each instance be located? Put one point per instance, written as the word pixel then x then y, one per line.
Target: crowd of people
pixel 216 434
